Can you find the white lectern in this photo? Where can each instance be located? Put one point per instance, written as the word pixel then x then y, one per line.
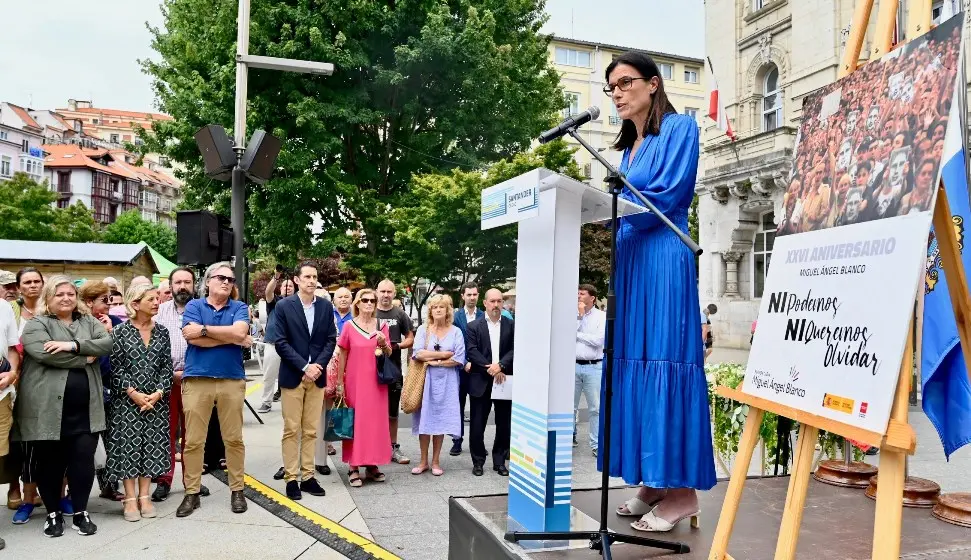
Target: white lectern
pixel 550 208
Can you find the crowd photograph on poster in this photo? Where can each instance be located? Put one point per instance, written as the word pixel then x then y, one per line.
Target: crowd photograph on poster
pixel 870 145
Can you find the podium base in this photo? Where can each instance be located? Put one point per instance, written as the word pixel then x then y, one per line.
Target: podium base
pixel 918 492
pixel 838 473
pixel 954 508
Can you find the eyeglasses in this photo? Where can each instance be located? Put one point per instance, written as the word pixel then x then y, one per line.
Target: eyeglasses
pixel 624 84
pixel 368 300
pixel 105 300
pixel 223 279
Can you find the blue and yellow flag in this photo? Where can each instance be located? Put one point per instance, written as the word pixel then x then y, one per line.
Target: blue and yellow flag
pixel 946 388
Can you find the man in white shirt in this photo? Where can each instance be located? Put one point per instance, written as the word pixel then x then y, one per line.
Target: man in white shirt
pixel 9 373
pixel 591 329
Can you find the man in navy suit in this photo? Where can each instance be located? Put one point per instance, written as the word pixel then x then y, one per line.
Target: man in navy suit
pixel 489 348
pixel 305 338
pixel 462 318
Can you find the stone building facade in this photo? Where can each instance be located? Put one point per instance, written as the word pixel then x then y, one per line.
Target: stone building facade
pixel 767 55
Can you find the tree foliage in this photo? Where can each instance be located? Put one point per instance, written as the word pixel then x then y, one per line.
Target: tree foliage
pixel 27 212
pixel 438 235
pixel 419 87
pixel 130 227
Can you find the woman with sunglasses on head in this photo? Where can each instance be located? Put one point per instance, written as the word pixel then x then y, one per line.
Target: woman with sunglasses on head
pixel 440 344
pixel 97 296
pixel 360 341
pixel 661 432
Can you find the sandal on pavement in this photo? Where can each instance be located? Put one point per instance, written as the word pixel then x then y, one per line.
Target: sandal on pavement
pixel 419 470
pixel 354 478
pixel 131 515
pixel 437 471
pixel 635 508
pixel 651 523
pixel 148 512
pixel 377 476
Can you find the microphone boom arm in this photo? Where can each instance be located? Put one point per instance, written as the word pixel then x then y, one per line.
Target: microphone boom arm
pixel 685 238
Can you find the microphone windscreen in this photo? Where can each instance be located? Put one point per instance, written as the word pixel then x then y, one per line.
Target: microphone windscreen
pixel 594 113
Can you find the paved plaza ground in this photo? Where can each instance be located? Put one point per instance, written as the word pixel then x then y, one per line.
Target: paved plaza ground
pixel 406 516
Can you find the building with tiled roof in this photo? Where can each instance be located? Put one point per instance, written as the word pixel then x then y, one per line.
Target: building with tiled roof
pixel 21 138
pixel 94 177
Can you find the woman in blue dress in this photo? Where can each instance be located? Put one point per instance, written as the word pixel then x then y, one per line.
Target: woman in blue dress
pixel 661 434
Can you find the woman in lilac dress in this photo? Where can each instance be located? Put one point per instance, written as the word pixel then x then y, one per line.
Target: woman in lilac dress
pixel 440 344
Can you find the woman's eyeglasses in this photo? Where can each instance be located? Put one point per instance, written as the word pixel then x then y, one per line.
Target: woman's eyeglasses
pixel 105 300
pixel 368 300
pixel 223 279
pixel 624 84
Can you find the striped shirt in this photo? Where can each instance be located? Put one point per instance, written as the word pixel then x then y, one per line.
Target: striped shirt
pixel 170 318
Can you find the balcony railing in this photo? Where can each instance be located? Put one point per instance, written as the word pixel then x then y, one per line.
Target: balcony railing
pixel 616 121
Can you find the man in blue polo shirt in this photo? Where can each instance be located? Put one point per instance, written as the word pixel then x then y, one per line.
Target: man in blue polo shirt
pixel 217 329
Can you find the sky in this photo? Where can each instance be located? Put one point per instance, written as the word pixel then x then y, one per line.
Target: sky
pixel 59 51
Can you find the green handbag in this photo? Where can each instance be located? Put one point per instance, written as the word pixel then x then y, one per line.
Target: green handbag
pixel 340 421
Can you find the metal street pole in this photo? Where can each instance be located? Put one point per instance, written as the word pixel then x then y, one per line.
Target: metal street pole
pixel 238 201
pixel 243 61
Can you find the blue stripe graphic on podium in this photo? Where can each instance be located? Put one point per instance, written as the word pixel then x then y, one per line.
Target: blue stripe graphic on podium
pixel 540 469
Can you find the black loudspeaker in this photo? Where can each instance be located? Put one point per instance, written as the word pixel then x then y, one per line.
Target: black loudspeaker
pixel 198 238
pixel 217 151
pixel 260 156
pixel 225 243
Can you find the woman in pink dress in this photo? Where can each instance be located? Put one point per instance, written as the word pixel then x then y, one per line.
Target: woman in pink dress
pixel 359 341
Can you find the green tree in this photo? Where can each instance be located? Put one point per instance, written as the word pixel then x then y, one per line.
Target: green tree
pixel 76 223
pixel 130 227
pixel 420 86
pixel 27 212
pixel 438 235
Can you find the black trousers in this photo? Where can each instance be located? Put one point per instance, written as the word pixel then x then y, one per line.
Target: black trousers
pixel 478 417
pixel 73 455
pixel 463 394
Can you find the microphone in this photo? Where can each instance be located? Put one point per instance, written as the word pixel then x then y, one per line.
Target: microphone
pixel 571 122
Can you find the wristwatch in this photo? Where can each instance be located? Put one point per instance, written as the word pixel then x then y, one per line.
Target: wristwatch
pixel 205 331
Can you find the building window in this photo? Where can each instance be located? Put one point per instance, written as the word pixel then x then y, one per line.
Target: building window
pixel 163 161
pixel 693 113
pixel 5 162
pixel 114 138
pixel 25 146
pixel 757 5
pixel 762 252
pixel 691 75
pixel 572 57
pixel 572 104
pixel 614 116
pixel 771 100
pixel 937 10
pixel 3 134
pixel 31 166
pixel 667 70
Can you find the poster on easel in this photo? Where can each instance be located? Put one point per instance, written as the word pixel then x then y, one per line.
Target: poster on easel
pixel 851 245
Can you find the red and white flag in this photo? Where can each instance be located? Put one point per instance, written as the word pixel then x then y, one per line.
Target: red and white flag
pixel 716 106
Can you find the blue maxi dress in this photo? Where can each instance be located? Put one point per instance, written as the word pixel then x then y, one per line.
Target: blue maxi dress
pixel 661 425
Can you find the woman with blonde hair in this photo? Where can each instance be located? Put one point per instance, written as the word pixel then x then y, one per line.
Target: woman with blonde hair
pixel 141 377
pixel 441 346
pixel 360 341
pixel 59 403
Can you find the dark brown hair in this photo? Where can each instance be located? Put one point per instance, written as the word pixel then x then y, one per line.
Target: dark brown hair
pixel 589 288
pixel 660 104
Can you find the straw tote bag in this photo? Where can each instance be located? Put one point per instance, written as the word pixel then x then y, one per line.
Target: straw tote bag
pixel 414 386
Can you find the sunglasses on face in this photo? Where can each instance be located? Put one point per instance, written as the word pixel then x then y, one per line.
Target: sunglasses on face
pixel 105 300
pixel 624 84
pixel 223 279
pixel 368 300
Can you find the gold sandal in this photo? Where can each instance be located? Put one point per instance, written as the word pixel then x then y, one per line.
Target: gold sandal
pixel 131 515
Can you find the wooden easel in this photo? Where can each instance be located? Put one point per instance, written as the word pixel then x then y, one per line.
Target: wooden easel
pixel 900 439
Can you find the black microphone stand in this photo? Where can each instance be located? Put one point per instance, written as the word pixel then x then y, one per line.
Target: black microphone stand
pixel 603 538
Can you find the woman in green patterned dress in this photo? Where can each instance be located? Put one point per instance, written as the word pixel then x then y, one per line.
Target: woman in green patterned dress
pixel 141 377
